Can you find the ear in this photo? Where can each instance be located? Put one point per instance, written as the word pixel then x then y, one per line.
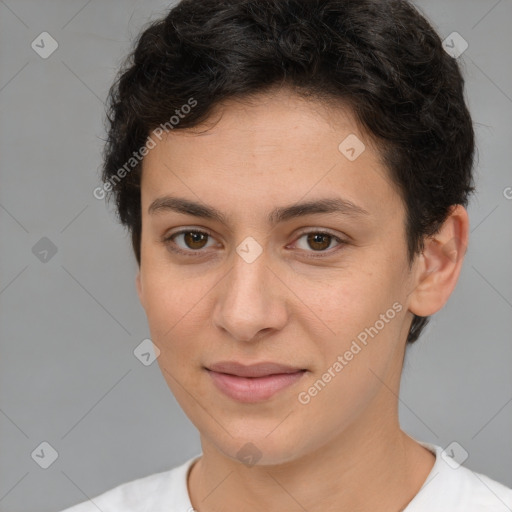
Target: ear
pixel 439 265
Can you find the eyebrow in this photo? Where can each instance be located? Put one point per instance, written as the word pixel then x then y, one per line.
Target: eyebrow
pixel 279 214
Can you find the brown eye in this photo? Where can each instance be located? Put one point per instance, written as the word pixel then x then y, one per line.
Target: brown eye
pixel 319 241
pixel 195 239
pixel 187 241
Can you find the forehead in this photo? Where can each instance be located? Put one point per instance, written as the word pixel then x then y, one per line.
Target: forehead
pixel 270 149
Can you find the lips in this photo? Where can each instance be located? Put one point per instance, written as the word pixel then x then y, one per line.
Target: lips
pixel 254 370
pixel 253 383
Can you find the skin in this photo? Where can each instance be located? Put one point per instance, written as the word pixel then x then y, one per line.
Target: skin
pixel 344 450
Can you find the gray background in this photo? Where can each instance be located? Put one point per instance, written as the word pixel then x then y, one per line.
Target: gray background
pixel 69 326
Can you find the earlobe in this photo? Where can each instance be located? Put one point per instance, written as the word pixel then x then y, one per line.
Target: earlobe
pixel 439 265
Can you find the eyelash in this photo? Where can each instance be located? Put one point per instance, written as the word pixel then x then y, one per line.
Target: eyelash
pixel 168 241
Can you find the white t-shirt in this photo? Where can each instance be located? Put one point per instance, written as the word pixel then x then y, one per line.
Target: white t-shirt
pixel 447 489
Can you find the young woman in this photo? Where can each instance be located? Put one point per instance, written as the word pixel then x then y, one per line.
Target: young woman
pixel 294 175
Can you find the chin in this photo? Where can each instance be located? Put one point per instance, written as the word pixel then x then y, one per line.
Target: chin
pixel 261 449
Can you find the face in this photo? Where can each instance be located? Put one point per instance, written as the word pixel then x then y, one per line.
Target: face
pixel 320 289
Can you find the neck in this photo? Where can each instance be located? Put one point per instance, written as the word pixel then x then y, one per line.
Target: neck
pixel 372 465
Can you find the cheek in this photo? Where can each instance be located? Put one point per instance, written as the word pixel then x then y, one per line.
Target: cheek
pixel 353 364
pixel 172 296
pixel 172 311
pixel 341 299
pixel 361 306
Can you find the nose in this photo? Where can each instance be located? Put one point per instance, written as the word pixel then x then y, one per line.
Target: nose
pixel 251 300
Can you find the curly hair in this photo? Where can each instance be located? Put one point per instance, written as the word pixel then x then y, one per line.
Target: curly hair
pixel 382 58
